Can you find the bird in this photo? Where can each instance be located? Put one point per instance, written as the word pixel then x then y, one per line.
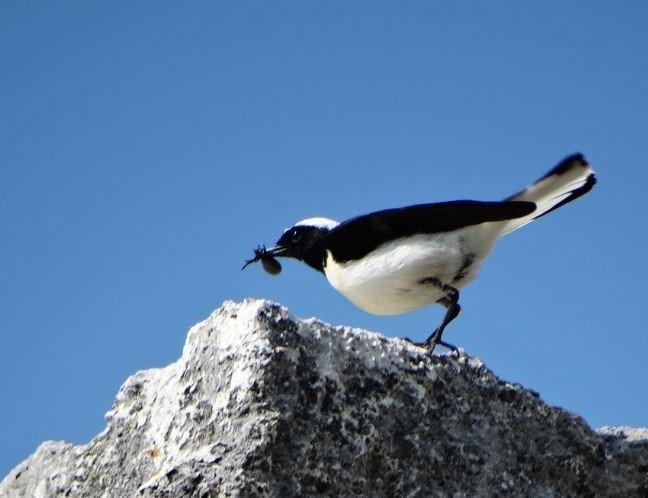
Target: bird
pixel 396 260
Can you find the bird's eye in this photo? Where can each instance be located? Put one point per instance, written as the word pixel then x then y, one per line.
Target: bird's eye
pixel 295 236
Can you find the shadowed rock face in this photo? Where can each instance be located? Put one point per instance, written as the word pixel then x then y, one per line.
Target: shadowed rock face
pixel 264 404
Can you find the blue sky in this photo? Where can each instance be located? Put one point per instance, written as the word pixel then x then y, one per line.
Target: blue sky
pixel 147 147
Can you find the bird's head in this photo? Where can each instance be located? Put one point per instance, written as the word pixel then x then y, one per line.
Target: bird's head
pixel 303 241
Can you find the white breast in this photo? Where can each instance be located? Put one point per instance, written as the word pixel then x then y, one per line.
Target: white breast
pixel 388 280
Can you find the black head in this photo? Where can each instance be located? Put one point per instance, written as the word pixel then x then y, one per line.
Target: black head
pixel 304 241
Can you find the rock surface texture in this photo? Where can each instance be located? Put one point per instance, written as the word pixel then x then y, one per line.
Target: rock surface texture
pixel 264 404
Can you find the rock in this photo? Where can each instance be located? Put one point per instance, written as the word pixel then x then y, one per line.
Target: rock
pixel 264 404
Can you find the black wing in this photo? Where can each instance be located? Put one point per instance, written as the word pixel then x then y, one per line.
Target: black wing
pixel 359 236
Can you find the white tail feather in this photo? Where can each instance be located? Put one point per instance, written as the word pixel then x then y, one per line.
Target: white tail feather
pixel 569 180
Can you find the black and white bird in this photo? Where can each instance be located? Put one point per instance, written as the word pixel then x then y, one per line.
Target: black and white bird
pixel 396 260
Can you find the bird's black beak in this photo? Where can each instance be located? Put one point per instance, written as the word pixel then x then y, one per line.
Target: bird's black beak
pixel 277 251
pixel 267 258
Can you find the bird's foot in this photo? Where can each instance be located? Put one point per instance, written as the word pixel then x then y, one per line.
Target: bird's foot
pixel 432 342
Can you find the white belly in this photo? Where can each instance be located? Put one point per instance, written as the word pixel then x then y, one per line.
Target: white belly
pixel 389 280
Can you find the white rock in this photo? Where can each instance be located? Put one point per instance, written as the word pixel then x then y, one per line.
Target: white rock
pixel 263 404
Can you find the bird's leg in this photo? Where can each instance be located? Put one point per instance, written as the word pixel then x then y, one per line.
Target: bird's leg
pixel 451 302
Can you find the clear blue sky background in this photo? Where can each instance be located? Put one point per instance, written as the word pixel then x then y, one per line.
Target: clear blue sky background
pixel 147 147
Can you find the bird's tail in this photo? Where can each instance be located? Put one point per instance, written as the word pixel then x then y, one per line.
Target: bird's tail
pixel 569 180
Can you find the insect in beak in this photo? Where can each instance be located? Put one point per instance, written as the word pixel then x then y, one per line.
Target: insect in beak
pixel 267 258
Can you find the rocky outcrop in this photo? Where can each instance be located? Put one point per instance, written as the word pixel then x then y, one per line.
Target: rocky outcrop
pixel 264 404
